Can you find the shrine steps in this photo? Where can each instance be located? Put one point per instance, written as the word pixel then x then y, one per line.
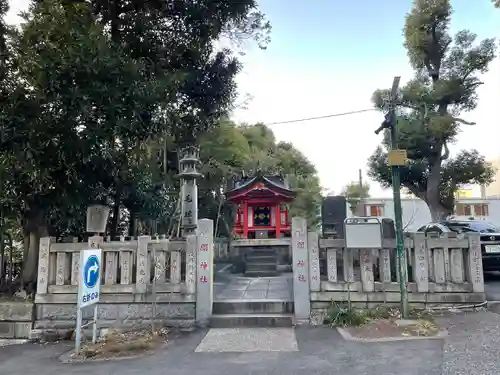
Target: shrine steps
pixel 265 313
pixel 261 263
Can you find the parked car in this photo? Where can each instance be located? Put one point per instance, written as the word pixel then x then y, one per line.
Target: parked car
pixel 490 237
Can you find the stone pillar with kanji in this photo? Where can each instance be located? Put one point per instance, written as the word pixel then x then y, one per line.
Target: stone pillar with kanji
pixel 188 162
pixel 204 272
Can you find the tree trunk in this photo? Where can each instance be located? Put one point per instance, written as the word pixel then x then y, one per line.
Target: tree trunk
pixel 438 211
pixel 132 224
pixel 34 229
pixel 115 220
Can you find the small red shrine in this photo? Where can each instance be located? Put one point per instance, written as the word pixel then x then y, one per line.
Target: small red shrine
pixel 262 210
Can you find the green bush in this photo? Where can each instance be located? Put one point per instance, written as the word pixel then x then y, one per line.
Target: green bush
pixel 342 315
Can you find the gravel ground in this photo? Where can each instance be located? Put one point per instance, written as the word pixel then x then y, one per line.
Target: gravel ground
pixel 472 346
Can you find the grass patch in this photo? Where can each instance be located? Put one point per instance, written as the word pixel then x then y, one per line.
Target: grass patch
pixel 343 315
pixel 122 344
pixel 422 328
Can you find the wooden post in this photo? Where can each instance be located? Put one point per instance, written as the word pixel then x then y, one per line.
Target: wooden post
pixel 245 219
pixel 278 220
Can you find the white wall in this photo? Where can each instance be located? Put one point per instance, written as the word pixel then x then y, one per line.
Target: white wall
pixel 416 213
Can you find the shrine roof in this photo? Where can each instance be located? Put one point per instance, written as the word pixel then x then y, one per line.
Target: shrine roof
pixel 276 184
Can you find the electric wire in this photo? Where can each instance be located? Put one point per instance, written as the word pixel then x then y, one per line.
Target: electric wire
pixel 320 117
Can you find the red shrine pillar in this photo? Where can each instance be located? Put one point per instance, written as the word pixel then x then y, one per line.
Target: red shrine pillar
pixel 245 219
pixel 278 220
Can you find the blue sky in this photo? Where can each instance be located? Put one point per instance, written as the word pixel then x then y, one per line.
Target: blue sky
pixel 328 56
pixel 350 32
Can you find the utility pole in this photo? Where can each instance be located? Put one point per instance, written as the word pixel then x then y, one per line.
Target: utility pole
pixel 396 159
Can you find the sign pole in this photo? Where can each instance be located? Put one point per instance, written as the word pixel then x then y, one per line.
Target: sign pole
pixel 78 334
pixel 89 283
pixel 94 328
pixel 396 159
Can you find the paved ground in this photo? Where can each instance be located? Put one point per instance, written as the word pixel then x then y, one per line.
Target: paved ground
pixel 471 348
pixel 320 351
pixel 232 287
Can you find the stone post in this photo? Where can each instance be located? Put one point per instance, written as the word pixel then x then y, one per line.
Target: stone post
pixel 188 161
pixel 142 263
pixel 475 263
pixel 204 279
pixel 313 250
pixel 43 266
pixel 300 261
pixel 421 263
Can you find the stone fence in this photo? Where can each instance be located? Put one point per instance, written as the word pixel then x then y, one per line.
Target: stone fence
pixel 440 271
pixel 135 272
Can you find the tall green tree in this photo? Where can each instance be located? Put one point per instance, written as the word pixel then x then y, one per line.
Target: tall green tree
pixel 90 86
pixel 228 151
pixel 447 75
pixel 355 193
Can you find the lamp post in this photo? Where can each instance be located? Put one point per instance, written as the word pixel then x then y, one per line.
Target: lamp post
pixel 396 159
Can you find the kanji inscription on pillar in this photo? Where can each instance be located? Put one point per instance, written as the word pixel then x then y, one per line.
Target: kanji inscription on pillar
pixel 475 271
pixel 300 258
pixel 204 269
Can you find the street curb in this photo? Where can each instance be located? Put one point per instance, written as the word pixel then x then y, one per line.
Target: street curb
pixel 348 337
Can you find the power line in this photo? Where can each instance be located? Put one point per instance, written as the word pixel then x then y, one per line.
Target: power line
pixel 320 117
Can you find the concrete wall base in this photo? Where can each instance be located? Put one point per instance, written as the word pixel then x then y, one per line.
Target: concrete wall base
pixel 16 319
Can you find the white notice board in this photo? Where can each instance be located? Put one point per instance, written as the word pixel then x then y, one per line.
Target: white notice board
pixel 363 233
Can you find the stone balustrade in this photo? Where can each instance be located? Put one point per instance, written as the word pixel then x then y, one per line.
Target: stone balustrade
pixel 134 273
pixel 444 270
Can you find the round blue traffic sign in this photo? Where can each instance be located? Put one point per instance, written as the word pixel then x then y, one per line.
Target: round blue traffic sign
pixel 91 271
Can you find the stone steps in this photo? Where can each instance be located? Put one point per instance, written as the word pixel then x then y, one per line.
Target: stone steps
pixel 262 252
pixel 251 320
pixel 257 313
pixel 252 307
pixel 262 259
pixel 260 267
pixel 262 273
pixel 261 263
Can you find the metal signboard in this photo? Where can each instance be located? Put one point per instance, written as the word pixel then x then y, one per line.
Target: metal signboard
pixel 89 287
pixel 90 277
pixel 363 233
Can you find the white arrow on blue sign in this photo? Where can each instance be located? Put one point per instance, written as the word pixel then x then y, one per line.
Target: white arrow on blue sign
pixel 89 283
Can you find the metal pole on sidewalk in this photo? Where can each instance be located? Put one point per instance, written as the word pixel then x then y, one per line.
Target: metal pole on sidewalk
pixel 397 158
